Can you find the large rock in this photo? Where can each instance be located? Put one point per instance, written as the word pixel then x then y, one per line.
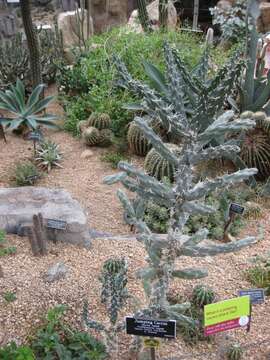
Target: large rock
pixel 56 272
pixel 68 25
pixel 107 14
pixel 153 14
pixel 264 19
pixel 18 205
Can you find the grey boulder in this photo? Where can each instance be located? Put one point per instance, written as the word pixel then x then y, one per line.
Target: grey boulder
pixel 56 272
pixel 18 205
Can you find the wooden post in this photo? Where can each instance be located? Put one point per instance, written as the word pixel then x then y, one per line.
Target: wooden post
pixel 153 353
pixel 195 14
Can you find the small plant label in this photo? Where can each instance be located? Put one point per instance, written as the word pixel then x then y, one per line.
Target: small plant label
pixel 32 178
pixel 256 295
pixel 227 315
pixel 236 209
pixel 35 136
pixel 151 343
pixel 151 328
pixel 56 224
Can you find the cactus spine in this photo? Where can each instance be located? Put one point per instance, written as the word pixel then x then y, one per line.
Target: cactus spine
pixel 159 167
pixel 32 42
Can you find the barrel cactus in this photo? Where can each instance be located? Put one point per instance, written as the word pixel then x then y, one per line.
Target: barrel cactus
pixel 235 352
pixel 202 295
pixel 105 138
pixel 91 136
pixel 155 165
pixel 100 121
pixel 255 149
pixel 82 126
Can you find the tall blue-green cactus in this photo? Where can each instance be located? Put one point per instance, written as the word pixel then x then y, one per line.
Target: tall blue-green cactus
pixel 186 196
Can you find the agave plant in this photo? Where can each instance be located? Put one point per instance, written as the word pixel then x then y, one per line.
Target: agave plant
pixel 48 155
pixel 25 113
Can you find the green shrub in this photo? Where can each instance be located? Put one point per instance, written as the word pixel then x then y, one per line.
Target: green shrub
pixel 15 352
pixel 113 158
pixel 26 174
pixel 57 340
pixel 77 109
pixel 9 296
pixel 133 48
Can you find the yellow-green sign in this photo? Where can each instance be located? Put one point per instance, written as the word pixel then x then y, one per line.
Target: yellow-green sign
pixel 151 343
pixel 226 315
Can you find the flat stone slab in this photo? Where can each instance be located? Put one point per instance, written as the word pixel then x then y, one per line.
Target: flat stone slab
pixel 18 205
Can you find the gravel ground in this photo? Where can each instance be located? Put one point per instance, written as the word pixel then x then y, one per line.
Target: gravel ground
pixel 23 273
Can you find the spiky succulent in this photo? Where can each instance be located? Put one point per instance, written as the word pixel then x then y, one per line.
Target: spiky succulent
pixel 255 148
pixel 159 167
pixel 99 120
pixel 202 295
pixel 82 126
pixel 25 113
pixel 48 155
pixel 105 137
pixel 91 136
pixel 235 352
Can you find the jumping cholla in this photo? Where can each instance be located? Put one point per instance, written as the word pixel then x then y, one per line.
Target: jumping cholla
pixel 186 196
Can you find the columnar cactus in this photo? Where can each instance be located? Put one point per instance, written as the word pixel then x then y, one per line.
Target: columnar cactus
pixel 187 195
pixel 143 15
pixel 32 42
pixel 163 13
pixel 113 294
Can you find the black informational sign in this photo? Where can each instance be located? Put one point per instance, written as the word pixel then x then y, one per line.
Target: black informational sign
pixel 256 295
pixel 151 328
pixel 56 224
pixel 33 178
pixel 35 136
pixel 236 209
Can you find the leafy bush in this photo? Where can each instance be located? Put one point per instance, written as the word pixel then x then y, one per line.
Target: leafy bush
pixel 232 20
pixel 113 158
pixel 15 352
pixel 26 174
pixel 73 80
pixel 133 48
pixel 57 340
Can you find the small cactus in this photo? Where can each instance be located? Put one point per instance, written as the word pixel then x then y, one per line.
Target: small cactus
pixel 82 126
pixel 137 142
pixel 114 281
pixel 255 149
pixel 99 121
pixel 155 165
pixel 105 138
pixel 202 295
pixel 235 352
pixel 91 136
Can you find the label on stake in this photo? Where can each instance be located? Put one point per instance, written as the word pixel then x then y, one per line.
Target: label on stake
pixel 151 327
